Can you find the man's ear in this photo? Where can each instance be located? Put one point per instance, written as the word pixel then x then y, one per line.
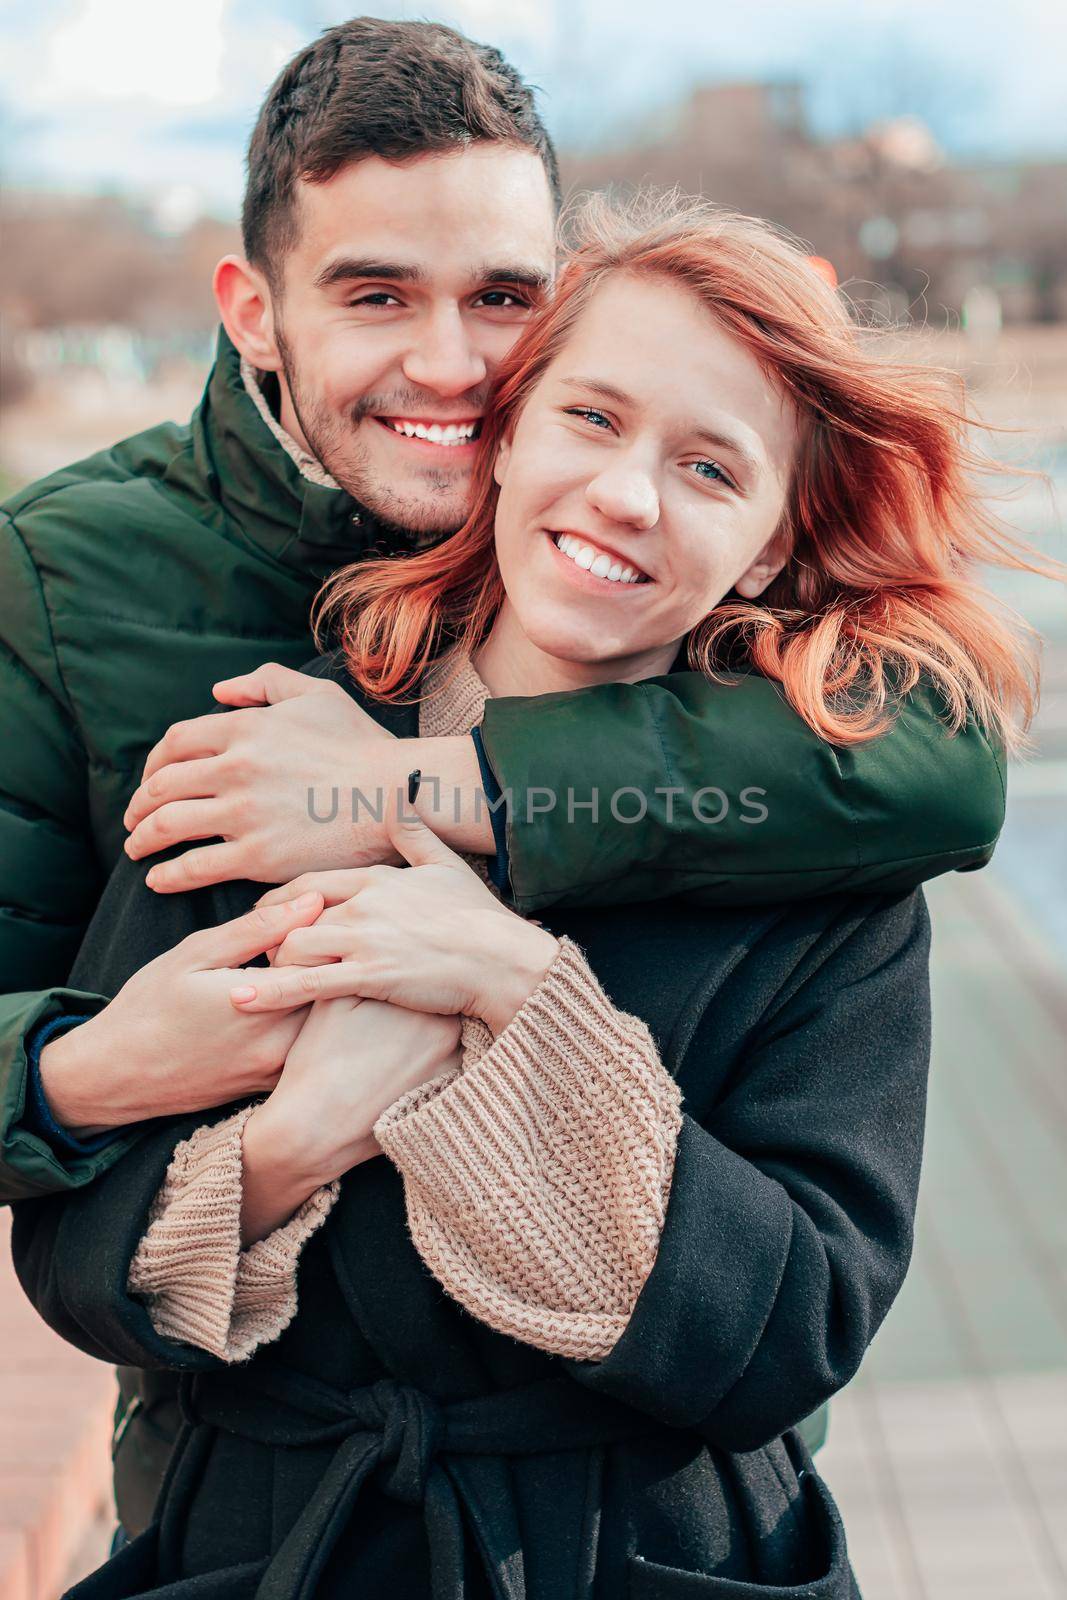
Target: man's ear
pixel 244 300
pixel 766 567
pixel 500 465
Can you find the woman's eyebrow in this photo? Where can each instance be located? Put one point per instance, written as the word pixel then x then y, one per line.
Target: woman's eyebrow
pixel 720 440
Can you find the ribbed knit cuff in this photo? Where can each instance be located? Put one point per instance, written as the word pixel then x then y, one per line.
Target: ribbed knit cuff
pixel 537 1178
pixel 201 1287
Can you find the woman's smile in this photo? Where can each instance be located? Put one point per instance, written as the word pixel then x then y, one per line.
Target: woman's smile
pixel 581 562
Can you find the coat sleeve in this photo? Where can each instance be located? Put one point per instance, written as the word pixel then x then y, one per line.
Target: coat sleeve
pixel 783 814
pixel 789 1224
pixel 129 927
pixel 72 1254
pixel 50 878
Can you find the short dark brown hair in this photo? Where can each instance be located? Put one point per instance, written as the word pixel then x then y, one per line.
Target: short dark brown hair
pixel 370 87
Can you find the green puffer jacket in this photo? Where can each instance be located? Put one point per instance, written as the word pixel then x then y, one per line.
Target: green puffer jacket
pixel 132 581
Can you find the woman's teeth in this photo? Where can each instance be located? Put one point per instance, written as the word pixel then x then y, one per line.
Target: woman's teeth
pixel 435 432
pixel 596 562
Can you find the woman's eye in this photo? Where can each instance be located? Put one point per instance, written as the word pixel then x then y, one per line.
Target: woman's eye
pixel 597 418
pixel 713 472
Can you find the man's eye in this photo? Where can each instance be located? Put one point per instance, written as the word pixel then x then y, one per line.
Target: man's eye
pixel 597 418
pixel 377 298
pixel 500 299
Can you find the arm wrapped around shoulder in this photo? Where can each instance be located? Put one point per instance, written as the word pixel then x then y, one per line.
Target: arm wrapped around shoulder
pixel 789 1227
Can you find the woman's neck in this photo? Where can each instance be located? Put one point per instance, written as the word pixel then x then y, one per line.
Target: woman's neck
pixel 509 663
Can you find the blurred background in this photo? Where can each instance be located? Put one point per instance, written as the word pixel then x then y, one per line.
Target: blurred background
pixel 923 151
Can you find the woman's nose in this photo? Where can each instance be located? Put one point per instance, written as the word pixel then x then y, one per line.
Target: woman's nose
pixel 625 493
pixel 443 358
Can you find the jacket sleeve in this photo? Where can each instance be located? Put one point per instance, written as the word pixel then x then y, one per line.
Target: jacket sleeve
pixel 50 878
pixel 782 815
pixel 72 1255
pixel 789 1224
pixel 130 927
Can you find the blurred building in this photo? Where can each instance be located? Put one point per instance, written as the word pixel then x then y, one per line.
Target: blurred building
pixel 905 226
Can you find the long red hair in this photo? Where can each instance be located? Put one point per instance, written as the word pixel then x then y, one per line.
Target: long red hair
pixel 887 522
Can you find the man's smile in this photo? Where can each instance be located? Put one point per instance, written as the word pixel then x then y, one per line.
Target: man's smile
pixel 433 433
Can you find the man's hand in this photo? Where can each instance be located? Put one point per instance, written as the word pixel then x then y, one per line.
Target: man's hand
pixel 298 779
pixel 170 1041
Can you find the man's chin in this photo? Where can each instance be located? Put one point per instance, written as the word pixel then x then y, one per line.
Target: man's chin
pixel 427 513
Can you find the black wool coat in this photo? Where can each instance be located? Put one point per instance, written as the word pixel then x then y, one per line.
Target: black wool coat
pixel 389 1446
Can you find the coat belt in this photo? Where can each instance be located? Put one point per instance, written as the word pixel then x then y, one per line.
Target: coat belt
pixel 410 1444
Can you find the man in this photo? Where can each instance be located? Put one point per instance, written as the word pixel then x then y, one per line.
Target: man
pixel 398 229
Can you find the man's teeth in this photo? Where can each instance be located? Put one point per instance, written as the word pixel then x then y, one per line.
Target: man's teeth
pixel 596 562
pixel 434 432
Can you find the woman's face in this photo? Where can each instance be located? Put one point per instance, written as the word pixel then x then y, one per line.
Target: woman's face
pixel 653 445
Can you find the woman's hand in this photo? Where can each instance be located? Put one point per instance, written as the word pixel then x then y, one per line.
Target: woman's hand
pixel 170 1041
pixel 430 936
pixel 352 1059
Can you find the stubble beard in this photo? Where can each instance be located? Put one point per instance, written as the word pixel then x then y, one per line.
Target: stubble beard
pixel 333 441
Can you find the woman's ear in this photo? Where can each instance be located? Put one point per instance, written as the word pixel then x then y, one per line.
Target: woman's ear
pixel 766 567
pixel 500 465
pixel 244 301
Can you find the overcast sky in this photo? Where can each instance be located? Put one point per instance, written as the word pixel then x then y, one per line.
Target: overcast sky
pixel 157 99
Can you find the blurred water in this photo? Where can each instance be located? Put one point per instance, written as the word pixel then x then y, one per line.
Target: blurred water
pixel 1032 855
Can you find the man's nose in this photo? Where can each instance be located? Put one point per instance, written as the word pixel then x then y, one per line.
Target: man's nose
pixel 625 492
pixel 443 358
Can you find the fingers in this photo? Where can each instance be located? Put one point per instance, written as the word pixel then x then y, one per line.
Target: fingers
pixel 235 942
pixel 184 780
pixel 268 685
pixel 197 868
pixel 334 887
pixel 174 823
pixel 189 741
pixel 287 987
pixel 417 843
pixel 306 947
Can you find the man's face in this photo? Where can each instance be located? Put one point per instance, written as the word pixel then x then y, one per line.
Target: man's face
pixel 407 286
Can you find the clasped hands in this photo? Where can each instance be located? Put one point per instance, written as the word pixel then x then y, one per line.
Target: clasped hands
pixel 372 967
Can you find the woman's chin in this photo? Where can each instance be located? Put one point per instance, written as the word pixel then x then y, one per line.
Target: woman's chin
pixel 575 641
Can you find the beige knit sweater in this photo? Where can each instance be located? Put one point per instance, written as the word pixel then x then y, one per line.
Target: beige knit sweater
pixel 536 1175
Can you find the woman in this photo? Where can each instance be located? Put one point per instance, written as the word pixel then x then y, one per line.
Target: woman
pixel 663 1174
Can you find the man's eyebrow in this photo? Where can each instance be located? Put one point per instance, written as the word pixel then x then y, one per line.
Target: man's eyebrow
pixel 719 440
pixel 348 268
pixel 536 279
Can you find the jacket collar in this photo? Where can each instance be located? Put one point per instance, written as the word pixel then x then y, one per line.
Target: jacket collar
pixel 313 527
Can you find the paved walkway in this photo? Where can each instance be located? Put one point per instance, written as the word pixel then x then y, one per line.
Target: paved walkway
pixel 55 1427
pixel 948 1454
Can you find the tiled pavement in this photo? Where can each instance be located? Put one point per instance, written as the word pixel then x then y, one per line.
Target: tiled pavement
pixel 55 1415
pixel 948 1454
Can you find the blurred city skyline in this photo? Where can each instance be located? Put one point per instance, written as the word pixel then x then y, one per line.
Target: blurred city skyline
pixel 113 96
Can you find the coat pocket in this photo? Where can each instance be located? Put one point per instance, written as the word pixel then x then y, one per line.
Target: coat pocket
pixel 132 1574
pixel 827 1556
